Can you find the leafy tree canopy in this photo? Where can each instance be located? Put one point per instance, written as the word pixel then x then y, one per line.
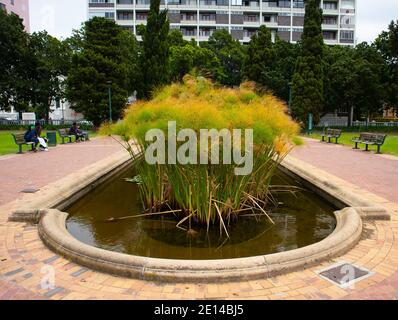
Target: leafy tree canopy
pixel 102 62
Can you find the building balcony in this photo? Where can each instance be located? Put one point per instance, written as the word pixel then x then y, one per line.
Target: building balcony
pixel 126 22
pixel 252 4
pixel 204 37
pixel 251 23
pixel 189 21
pixel 331 41
pixel 327 26
pixel 270 24
pixel 330 12
pixel 189 6
pixel 205 22
pixel 277 9
pixel 101 5
pixel 347 11
pixel 125 6
pixel 189 38
pixel 347 26
pixel 189 34
pixel 298 10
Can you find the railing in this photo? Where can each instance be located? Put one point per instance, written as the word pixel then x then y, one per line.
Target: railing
pixel 43 122
pixel 373 124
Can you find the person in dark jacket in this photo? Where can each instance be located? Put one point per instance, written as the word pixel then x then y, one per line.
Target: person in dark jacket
pixel 75 131
pixel 33 135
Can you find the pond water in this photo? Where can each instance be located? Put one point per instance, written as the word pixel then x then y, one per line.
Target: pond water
pixel 300 220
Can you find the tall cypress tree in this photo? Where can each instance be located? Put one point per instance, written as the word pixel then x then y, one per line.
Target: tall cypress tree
pixel 260 57
pixel 307 89
pixel 154 59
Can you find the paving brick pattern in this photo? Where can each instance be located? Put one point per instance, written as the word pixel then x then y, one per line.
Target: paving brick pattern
pixel 25 262
pixel 35 170
pixel 373 172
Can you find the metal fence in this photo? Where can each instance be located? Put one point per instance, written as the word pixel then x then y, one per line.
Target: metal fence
pixel 43 122
pixel 371 124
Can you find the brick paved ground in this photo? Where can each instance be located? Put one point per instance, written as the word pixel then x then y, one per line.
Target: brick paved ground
pixel 25 261
pixel 370 171
pixel 35 170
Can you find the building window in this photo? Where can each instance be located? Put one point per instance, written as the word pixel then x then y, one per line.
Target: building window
pixel 347 35
pixel 125 15
pixel 330 5
pixel 102 1
pixel 298 4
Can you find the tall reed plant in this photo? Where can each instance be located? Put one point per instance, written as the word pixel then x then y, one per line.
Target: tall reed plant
pixel 209 194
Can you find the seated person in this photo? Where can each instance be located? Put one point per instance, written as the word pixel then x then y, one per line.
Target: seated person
pixel 33 135
pixel 75 131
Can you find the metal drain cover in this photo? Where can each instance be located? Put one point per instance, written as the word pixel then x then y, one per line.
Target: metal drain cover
pixel 344 274
pixel 30 190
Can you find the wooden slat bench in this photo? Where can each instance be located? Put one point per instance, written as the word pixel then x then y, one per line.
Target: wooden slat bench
pixel 19 139
pixel 373 139
pixel 331 133
pixel 63 133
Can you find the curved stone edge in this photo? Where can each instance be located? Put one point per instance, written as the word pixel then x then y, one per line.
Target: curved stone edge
pixel 332 189
pixel 53 232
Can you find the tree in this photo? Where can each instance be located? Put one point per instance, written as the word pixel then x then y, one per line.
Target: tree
pixel 186 56
pixel 387 44
pixel 48 69
pixel 270 64
pixel 130 52
pixel 369 69
pixel 154 58
pixel 13 54
pixel 181 61
pixel 231 55
pixel 260 58
pixel 100 63
pixel 208 64
pixel 307 88
pixel 176 39
pixel 286 54
pixel 353 80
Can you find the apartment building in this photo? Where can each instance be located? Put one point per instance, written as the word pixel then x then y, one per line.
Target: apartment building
pixel 198 19
pixel 19 7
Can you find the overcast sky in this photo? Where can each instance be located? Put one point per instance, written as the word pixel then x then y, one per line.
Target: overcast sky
pixel 59 17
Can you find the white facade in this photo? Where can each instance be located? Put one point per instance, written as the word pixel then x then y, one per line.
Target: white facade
pixel 198 19
pixel 63 111
pixel 59 111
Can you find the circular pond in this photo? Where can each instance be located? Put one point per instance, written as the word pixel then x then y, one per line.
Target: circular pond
pixel 300 219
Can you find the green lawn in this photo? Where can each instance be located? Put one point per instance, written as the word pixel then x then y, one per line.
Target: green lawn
pixel 7 144
pixel 390 145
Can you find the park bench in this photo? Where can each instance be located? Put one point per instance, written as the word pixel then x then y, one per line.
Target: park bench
pixel 331 133
pixel 373 139
pixel 63 133
pixel 19 139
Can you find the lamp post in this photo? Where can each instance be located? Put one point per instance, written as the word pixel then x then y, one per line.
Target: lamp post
pixel 110 99
pixel 290 97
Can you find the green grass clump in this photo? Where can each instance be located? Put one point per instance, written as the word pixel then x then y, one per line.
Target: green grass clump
pixel 208 194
